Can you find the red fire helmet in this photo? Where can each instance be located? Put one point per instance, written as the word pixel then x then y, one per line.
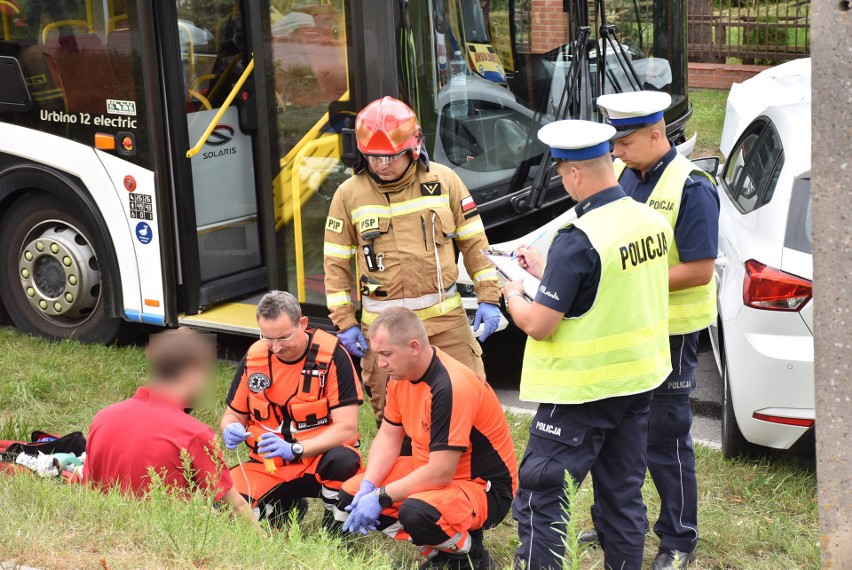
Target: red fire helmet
pixel 388 126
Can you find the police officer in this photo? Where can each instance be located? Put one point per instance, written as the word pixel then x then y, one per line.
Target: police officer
pixel 597 347
pixel 652 172
pixel 401 218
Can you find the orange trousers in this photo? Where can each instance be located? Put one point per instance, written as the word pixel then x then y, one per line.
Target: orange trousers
pixel 440 519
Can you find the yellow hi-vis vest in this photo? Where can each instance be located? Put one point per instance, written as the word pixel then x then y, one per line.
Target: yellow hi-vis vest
pixel 620 346
pixel 690 309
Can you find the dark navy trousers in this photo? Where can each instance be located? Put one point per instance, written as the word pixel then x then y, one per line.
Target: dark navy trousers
pixel 607 438
pixel 671 459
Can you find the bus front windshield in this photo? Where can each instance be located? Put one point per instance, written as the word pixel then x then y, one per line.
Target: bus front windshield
pixel 484 125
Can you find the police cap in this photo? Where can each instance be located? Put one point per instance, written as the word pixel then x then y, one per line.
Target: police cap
pixel 576 140
pixel 628 112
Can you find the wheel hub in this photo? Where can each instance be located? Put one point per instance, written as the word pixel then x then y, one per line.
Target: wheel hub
pixel 59 272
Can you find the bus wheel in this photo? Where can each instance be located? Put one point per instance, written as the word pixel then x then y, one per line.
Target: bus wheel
pixel 51 281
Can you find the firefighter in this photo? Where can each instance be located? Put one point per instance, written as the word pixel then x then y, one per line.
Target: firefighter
pixel 401 218
pixel 651 171
pixel 294 402
pixel 462 474
pixel 597 347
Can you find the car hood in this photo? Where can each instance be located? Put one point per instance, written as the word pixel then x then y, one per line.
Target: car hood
pixel 781 85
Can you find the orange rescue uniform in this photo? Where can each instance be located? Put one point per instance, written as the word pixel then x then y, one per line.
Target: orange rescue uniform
pixel 449 408
pixel 295 399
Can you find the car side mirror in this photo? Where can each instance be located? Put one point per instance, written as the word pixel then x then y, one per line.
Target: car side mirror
pixel 708 164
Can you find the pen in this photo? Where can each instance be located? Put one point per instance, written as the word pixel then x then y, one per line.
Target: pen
pixel 498 253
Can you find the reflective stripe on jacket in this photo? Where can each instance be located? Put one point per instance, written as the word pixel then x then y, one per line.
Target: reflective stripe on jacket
pixel 403 236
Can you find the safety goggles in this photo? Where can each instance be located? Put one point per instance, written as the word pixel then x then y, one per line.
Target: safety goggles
pixel 273 341
pixel 384 159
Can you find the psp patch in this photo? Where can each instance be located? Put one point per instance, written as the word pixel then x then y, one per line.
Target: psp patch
pixel 430 188
pixel 258 382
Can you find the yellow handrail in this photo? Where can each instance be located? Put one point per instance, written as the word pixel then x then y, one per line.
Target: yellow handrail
pixel 190 50
pixel 53 25
pixel 202 98
pixel 296 189
pixel 111 23
pixel 225 105
pixel 7 27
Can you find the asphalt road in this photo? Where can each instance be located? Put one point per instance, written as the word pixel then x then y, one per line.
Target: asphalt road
pixel 503 352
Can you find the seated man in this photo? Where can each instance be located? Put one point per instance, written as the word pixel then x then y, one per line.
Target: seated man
pixel 462 475
pixel 149 431
pixel 294 401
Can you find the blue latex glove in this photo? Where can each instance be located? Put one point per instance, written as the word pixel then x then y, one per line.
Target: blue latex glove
pixel 234 434
pixel 273 445
pixel 353 341
pixel 365 488
pixel 365 516
pixel 487 315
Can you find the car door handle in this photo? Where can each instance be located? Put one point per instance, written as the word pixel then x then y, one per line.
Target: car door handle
pixel 722 261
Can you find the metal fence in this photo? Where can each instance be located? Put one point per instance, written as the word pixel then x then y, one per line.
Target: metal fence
pixel 753 31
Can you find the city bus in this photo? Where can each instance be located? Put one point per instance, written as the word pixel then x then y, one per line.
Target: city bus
pixel 166 162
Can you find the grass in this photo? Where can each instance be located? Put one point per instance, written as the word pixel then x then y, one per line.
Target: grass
pixel 707 120
pixel 754 515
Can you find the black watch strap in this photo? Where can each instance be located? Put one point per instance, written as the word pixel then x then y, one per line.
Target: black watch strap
pixel 384 499
pixel 298 450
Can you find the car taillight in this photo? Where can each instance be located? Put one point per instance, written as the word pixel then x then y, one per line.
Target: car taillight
pixel 770 289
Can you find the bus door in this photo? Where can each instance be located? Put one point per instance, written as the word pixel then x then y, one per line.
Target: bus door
pixel 209 74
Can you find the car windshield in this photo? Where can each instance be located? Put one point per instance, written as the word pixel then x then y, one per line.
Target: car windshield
pixel 800 219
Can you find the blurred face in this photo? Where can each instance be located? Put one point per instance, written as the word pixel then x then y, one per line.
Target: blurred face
pixel 284 338
pixel 389 168
pixel 200 386
pixel 400 362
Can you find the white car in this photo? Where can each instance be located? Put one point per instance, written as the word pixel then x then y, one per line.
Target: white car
pixel 763 339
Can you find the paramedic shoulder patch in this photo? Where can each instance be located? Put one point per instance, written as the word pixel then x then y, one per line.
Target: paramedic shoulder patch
pixel 430 188
pixel 258 382
pixel 334 225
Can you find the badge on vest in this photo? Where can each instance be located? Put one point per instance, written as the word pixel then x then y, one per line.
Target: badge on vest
pixel 430 188
pixel 258 382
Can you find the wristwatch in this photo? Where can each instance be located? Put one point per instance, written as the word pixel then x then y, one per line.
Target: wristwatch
pixel 384 499
pixel 513 294
pixel 298 450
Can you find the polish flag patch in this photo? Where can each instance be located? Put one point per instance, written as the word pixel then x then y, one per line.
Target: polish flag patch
pixel 467 204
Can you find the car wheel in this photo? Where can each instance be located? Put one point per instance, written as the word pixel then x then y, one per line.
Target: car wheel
pixel 734 444
pixel 50 281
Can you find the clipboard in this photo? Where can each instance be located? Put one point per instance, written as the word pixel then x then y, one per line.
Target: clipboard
pixel 508 269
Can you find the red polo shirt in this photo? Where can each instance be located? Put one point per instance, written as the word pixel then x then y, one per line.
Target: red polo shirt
pixel 146 431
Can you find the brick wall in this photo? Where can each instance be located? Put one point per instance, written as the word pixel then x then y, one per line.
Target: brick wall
pixel 719 75
pixel 548 25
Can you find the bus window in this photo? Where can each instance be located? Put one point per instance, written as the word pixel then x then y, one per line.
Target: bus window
pixel 309 46
pixel 80 60
pixel 484 125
